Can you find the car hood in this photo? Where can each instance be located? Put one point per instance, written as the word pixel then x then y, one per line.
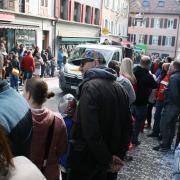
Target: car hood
pixel 72 69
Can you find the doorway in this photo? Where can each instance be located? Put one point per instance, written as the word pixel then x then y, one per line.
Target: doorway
pixel 45 39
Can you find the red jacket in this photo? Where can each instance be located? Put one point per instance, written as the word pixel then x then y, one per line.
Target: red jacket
pixel 42 119
pixel 163 85
pixel 27 63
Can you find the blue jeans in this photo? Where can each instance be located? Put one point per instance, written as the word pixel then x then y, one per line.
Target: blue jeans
pixel 168 124
pixel 157 117
pixel 14 82
pixel 27 75
pixel 140 116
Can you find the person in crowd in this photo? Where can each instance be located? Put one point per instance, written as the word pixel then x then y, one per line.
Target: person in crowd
pixel 123 81
pixel 171 109
pixel 60 58
pixel 2 59
pixel 160 97
pixel 165 67
pixel 36 50
pixel 168 60
pixel 16 119
pixel 126 70
pixel 14 76
pixel 21 52
pixel 155 65
pixel 52 66
pixel 150 105
pixel 67 107
pixel 145 84
pixel 15 168
pixel 44 64
pixel 159 70
pixel 49 140
pixel 16 49
pixel 28 65
pixel 38 62
pixel 49 52
pixel 102 128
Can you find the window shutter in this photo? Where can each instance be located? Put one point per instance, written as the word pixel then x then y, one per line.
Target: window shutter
pixel 159 40
pixel 161 23
pixel 57 8
pixel 173 41
pixel 163 41
pixel 147 22
pixel 150 39
pixel 165 23
pixel 129 22
pixel 152 22
pixel 175 24
pixel 145 39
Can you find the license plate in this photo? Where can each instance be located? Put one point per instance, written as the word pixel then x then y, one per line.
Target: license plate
pixel 74 87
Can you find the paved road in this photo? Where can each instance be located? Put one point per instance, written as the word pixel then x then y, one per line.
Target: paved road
pixel 146 165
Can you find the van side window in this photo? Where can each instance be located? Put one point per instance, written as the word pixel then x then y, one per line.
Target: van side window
pixel 116 56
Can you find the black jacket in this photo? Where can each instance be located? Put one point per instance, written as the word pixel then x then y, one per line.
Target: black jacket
pixel 103 125
pixel 145 84
pixel 16 119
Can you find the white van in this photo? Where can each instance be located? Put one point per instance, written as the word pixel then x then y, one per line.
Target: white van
pixel 70 76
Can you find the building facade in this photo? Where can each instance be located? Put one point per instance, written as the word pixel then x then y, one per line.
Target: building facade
pixel 114 20
pixel 77 22
pixel 27 22
pixel 158 26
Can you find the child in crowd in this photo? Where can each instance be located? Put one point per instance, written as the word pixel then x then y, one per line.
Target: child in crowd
pixel 67 107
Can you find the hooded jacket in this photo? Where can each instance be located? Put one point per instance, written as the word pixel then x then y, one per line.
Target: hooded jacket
pixel 145 84
pixel 16 119
pixel 103 123
pixel 42 120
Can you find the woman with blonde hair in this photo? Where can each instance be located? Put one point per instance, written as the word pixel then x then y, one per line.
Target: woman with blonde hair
pixel 126 70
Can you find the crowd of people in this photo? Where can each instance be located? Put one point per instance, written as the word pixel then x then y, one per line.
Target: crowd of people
pixel 91 135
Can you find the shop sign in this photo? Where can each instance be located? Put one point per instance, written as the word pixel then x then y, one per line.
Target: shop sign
pixel 6 17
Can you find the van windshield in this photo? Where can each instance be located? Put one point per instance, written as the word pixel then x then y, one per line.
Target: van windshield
pixel 80 51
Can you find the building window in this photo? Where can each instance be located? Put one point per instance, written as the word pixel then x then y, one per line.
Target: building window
pixel 1 4
pixel 77 12
pixel 168 41
pixel 141 39
pixel 113 4
pixel 97 16
pixel 156 23
pixel 22 6
pixel 170 23
pixel 112 27
pixel 88 14
pixel 106 3
pixel 44 3
pixel 161 3
pixel 154 40
pixel 146 3
pixel 64 9
pixel 106 23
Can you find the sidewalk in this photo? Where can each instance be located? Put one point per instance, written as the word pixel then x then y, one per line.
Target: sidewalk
pixel 148 164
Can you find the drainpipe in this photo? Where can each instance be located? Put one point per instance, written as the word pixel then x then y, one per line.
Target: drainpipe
pixel 177 38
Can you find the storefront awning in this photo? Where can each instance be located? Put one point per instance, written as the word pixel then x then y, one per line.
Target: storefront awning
pixel 76 40
pixel 18 26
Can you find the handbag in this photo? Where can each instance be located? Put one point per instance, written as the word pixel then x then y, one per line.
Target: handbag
pixel 47 145
pixel 15 72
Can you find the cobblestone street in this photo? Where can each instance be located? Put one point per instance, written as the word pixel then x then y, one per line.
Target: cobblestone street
pixel 148 164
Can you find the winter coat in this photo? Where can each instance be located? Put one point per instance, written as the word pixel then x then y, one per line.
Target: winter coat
pixel 172 95
pixel 145 84
pixel 103 124
pixel 42 120
pixel 162 87
pixel 16 119
pixel 27 63
pixel 128 87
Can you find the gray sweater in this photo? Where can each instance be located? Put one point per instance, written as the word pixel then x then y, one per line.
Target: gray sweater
pixel 126 84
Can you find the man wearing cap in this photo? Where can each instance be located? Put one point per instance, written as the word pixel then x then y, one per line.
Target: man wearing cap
pixel 102 128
